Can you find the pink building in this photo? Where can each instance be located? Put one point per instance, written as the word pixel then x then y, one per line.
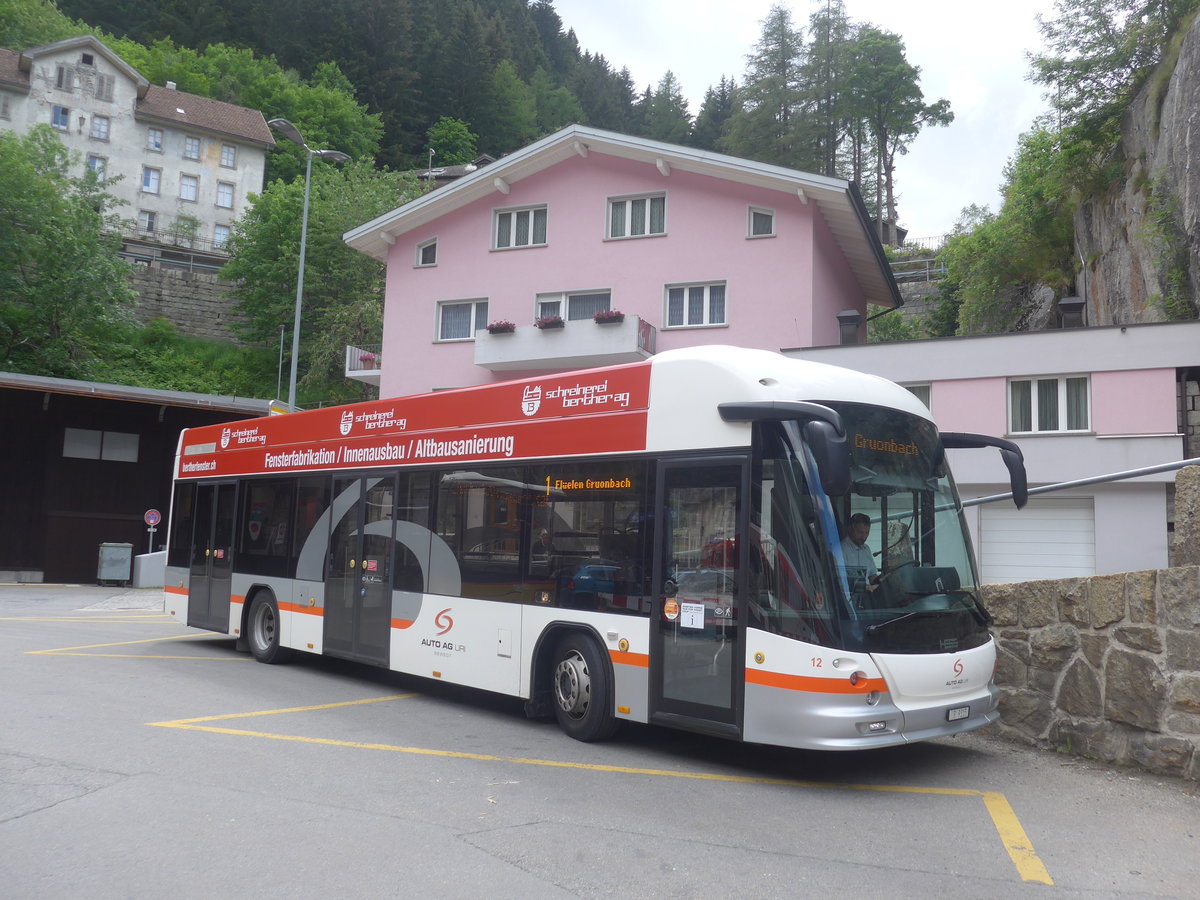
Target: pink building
pixel 1081 403
pixel 692 247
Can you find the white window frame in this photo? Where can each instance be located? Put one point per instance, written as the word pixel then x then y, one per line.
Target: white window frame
pixel 98 164
pixel 707 310
pixel 151 180
pixel 753 211
pixel 559 303
pixel 191 147
pixel 923 391
pixel 89 443
pixel 221 236
pixel 100 128
pixel 508 220
pixel 225 190
pixel 629 212
pixel 147 221
pixel 229 156
pixel 421 262
pixel 60 117
pixel 479 313
pixel 194 182
pixel 154 140
pixel 1062 408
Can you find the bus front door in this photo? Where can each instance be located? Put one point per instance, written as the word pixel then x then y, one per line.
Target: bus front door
pixel 358 582
pixel 696 654
pixel 211 567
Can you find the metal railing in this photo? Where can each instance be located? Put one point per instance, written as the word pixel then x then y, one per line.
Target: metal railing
pixel 918 270
pixel 364 358
pixel 1097 479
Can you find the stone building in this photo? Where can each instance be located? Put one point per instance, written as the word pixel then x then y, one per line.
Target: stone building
pixel 187 163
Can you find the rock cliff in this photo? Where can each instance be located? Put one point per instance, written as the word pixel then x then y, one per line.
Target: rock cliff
pixel 1139 245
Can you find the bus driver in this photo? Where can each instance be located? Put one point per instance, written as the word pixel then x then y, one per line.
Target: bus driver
pixel 860 562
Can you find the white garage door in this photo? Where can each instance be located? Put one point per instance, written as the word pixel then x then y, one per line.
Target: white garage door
pixel 1049 538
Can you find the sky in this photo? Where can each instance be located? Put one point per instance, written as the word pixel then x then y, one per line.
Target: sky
pixel 972 54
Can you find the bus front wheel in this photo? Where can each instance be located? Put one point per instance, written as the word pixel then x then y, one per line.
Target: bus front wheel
pixel 264 630
pixel 582 690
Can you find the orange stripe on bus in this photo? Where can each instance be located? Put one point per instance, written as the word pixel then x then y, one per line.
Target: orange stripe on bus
pixel 235 598
pixel 304 610
pixel 403 623
pixel 641 660
pixel 171 589
pixel 814 685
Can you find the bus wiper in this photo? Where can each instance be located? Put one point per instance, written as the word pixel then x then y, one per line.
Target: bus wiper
pixel 977 610
pixel 879 626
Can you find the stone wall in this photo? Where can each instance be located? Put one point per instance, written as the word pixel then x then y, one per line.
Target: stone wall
pixel 193 302
pixel 1106 667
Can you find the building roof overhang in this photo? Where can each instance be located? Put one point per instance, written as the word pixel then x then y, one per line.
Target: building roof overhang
pixel 839 202
pixel 245 406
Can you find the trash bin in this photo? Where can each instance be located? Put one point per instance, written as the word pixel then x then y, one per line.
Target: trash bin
pixel 115 563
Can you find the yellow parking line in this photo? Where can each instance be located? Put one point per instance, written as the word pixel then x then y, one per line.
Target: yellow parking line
pixel 1012 835
pixel 107 617
pixel 1016 842
pixel 67 651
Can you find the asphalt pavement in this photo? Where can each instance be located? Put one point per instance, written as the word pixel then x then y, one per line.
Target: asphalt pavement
pixel 140 758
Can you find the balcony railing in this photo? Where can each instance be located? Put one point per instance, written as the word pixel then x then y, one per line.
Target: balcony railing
pixel 364 362
pixel 577 344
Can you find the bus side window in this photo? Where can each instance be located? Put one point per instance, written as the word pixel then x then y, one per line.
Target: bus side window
pixel 312 499
pixel 413 551
pixel 179 552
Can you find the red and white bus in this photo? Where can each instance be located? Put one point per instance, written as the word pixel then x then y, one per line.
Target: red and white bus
pixel 659 542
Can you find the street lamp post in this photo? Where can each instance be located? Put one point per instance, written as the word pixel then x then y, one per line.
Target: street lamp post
pixel 292 133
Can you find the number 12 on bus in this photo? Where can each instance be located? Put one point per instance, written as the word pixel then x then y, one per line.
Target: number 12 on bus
pixel 717 539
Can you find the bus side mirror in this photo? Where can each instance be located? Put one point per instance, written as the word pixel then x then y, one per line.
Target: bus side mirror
pixel 832 453
pixel 1014 459
pixel 821 428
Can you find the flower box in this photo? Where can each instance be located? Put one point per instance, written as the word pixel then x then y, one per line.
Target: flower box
pixel 608 317
pixel 501 328
pixel 548 322
pixel 369 360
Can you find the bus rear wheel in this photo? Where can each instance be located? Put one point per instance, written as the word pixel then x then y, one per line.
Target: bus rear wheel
pixel 582 690
pixel 264 630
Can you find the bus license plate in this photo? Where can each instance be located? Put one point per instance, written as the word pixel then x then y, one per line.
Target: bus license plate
pixel 959 712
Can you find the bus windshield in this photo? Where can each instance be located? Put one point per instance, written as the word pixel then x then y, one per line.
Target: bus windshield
pixel 885 568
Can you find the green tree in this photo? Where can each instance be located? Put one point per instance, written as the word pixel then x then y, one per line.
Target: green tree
pixel 32 23
pixel 1098 52
pixel 1027 242
pixel 716 111
pixel 888 99
pixel 509 117
pixel 667 116
pixel 343 289
pixel 63 284
pixel 556 106
pixel 767 125
pixel 452 142
pixel 825 81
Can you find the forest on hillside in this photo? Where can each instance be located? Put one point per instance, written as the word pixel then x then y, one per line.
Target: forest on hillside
pixel 830 96
pixel 390 80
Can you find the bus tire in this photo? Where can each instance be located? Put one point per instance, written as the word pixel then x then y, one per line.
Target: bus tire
pixel 263 628
pixel 582 689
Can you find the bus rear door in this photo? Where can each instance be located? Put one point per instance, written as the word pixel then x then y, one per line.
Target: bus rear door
pixel 358 582
pixel 211 575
